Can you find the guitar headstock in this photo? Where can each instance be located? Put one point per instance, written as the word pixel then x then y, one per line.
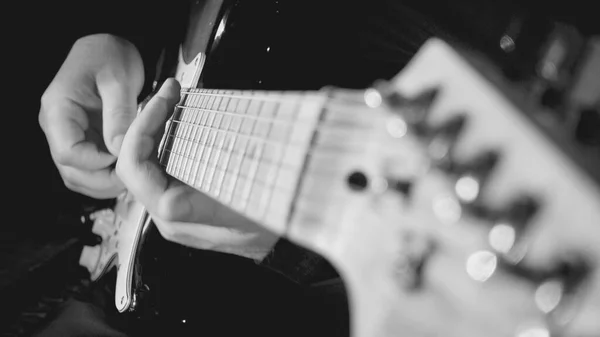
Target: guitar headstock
pixel 475 222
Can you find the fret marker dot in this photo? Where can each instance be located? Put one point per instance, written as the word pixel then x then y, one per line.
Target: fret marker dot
pixel 357 181
pixel 373 98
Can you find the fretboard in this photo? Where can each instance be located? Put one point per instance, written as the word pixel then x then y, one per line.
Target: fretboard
pixel 246 149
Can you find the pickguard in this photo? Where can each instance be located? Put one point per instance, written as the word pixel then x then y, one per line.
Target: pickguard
pixel 188 74
pixel 121 230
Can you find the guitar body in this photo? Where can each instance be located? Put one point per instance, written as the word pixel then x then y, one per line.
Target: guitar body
pixel 369 237
pixel 235 45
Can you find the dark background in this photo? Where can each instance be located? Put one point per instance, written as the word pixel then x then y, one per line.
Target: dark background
pixel 38 208
pixel 44 31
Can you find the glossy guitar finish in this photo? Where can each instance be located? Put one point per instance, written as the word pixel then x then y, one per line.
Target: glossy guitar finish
pixel 251 46
pixel 476 286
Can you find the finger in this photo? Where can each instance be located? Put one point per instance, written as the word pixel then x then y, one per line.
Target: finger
pixel 119 109
pixel 101 184
pixel 159 107
pixel 137 165
pixel 164 196
pixel 182 203
pixel 64 125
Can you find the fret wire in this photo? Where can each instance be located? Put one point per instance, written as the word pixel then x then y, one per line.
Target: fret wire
pixel 170 131
pixel 185 131
pixel 206 120
pixel 238 153
pixel 189 116
pixel 253 137
pixel 265 185
pixel 209 122
pixel 323 125
pixel 196 120
pixel 271 184
pixel 204 135
pixel 238 169
pixel 171 161
pixel 279 97
pixel 309 151
pixel 257 118
pixel 256 161
pixel 321 147
pixel 233 144
pixel 219 185
pixel 179 130
pixel 200 147
pixel 266 201
pixel 169 128
pixel 212 145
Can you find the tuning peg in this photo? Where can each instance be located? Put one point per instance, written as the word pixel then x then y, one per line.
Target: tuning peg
pixel 442 139
pixel 572 272
pixel 402 186
pixel 509 226
pixel 413 109
pixel 417 250
pixel 90 255
pixel 556 288
pixel 472 175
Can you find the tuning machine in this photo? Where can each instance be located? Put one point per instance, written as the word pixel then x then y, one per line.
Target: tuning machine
pixel 417 249
pixel 412 110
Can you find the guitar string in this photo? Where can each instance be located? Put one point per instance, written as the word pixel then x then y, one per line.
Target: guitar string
pixel 181 170
pixel 322 125
pixel 272 96
pixel 320 148
pixel 267 184
pixel 246 116
pixel 266 190
pixel 187 143
pixel 280 164
pixel 299 100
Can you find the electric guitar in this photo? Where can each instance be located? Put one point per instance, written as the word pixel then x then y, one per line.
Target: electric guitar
pixel 443 203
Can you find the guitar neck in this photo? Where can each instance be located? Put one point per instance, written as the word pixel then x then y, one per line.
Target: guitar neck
pixel 246 149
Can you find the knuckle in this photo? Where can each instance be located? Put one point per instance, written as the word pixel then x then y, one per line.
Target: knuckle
pixel 165 230
pixel 42 119
pixel 71 185
pixel 44 109
pixel 69 178
pixel 166 213
pixel 121 167
pixel 62 156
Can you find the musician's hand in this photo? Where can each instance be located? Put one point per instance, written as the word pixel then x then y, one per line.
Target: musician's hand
pixel 182 214
pixel 87 109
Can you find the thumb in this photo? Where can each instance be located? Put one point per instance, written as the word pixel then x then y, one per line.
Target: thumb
pixel 119 108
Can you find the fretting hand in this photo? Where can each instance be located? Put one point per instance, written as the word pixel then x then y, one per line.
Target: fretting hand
pixel 181 213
